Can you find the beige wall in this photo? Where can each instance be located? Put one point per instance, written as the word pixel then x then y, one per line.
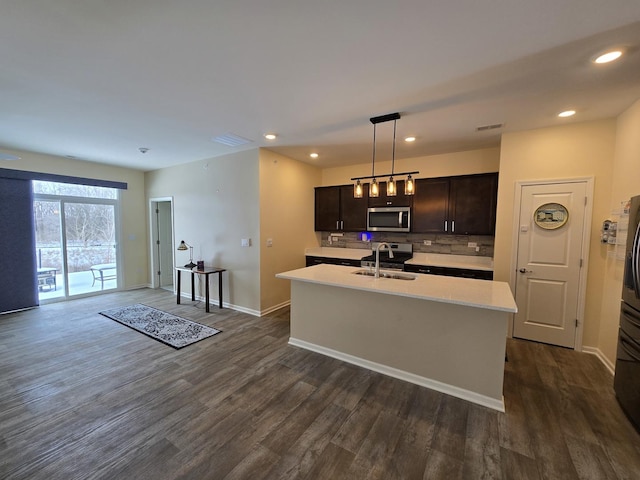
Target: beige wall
pixel 133 234
pixel 569 151
pixel 286 217
pixel 625 184
pixel 457 163
pixel 216 204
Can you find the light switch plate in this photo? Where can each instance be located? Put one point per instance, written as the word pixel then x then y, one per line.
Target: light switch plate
pixel 472 244
pixel 269 242
pixel 245 242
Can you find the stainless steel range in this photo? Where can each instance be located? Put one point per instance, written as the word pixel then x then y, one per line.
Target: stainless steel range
pixel 401 253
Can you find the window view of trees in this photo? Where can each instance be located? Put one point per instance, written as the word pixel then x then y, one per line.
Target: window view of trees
pixel 72 190
pixel 89 227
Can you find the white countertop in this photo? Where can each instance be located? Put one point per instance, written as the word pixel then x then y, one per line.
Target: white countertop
pixel 460 291
pixel 452 261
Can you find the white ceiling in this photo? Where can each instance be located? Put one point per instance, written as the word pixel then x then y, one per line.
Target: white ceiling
pixel 97 79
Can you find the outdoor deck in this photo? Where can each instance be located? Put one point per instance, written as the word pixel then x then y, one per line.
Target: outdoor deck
pixel 79 283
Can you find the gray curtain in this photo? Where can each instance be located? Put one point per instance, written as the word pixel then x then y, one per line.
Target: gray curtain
pixel 18 278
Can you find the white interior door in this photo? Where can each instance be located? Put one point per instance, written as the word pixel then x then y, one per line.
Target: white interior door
pixel 161 225
pixel 549 263
pixel 165 246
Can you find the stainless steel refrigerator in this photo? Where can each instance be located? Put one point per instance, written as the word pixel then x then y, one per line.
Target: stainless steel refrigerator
pixel 627 378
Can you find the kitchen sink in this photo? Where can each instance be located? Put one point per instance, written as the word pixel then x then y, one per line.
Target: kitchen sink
pixel 394 275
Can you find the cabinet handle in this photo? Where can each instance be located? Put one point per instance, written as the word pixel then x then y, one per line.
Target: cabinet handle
pixel 337 224
pixel 453 226
pixel 445 225
pixel 400 219
pixel 341 224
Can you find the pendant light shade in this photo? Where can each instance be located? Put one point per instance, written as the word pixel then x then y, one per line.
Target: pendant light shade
pixel 409 186
pixel 391 187
pixel 357 190
pixel 374 188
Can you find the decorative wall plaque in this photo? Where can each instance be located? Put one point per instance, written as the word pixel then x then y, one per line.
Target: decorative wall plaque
pixel 551 216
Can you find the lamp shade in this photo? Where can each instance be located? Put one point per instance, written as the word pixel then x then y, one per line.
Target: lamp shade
pixel 183 246
pixel 391 187
pixel 357 190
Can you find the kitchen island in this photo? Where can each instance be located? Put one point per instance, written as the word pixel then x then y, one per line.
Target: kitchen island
pixel 444 333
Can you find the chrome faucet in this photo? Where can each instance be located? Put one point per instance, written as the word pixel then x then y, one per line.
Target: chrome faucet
pixel 381 244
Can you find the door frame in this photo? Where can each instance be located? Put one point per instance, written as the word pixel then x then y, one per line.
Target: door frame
pixel 153 261
pixel 584 254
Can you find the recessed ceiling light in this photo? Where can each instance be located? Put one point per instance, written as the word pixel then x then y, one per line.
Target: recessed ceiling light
pixel 567 113
pixel 609 56
pixel 313 155
pixel 270 136
pixel 410 139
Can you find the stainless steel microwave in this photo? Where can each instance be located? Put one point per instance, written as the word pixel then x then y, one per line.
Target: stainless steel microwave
pixel 389 219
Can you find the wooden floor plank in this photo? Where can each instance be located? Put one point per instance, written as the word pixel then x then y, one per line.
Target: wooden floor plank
pixel 84 397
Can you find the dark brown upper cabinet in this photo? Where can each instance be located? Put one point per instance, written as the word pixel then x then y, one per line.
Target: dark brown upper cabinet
pixel 337 210
pixel 461 205
pixel 430 212
pixel 400 200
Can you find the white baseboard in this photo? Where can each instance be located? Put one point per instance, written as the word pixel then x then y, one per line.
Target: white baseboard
pixel 275 308
pixel 136 287
pixel 598 353
pixel 214 303
pixel 402 375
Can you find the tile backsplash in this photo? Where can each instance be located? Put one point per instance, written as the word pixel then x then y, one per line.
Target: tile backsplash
pixel 447 244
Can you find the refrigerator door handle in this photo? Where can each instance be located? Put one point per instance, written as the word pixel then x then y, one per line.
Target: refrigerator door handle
pixel 631 316
pixel 629 349
pixel 635 266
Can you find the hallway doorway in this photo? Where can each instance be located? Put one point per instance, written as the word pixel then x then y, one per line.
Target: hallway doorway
pixel 162 247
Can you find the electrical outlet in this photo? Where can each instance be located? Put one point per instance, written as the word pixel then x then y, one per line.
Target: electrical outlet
pixel 472 245
pixel 427 242
pixel 269 242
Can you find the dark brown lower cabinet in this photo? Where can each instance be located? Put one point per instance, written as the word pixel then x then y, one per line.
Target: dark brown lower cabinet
pixel 450 272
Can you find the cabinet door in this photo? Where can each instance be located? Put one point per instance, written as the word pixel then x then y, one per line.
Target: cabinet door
pixel 327 211
pixel 473 204
pixel 399 200
pixel 353 211
pixel 431 206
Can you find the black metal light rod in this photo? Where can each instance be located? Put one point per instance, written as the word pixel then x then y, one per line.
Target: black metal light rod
pixel 385 175
pixel 385 118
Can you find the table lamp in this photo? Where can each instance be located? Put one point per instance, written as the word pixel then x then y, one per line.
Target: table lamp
pixel 184 246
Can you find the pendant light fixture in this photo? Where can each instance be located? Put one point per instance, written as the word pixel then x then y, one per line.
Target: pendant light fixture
pixel 409 186
pixel 374 187
pixel 357 190
pixel 374 190
pixel 391 184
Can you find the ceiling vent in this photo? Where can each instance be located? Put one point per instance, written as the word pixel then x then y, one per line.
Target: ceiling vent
pixel 484 128
pixel 231 140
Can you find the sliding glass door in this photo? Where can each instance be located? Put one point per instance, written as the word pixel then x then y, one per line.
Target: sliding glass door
pixel 90 241
pixel 49 257
pixel 76 232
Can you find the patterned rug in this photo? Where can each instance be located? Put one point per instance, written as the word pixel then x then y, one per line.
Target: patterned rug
pixel 174 331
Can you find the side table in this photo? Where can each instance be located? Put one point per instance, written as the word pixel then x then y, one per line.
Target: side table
pixel 205 273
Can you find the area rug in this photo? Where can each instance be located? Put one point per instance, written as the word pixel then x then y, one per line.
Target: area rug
pixel 167 328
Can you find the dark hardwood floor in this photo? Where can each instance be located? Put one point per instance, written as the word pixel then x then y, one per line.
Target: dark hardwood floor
pixel 83 397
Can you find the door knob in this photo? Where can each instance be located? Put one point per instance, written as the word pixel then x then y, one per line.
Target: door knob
pixel 524 270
